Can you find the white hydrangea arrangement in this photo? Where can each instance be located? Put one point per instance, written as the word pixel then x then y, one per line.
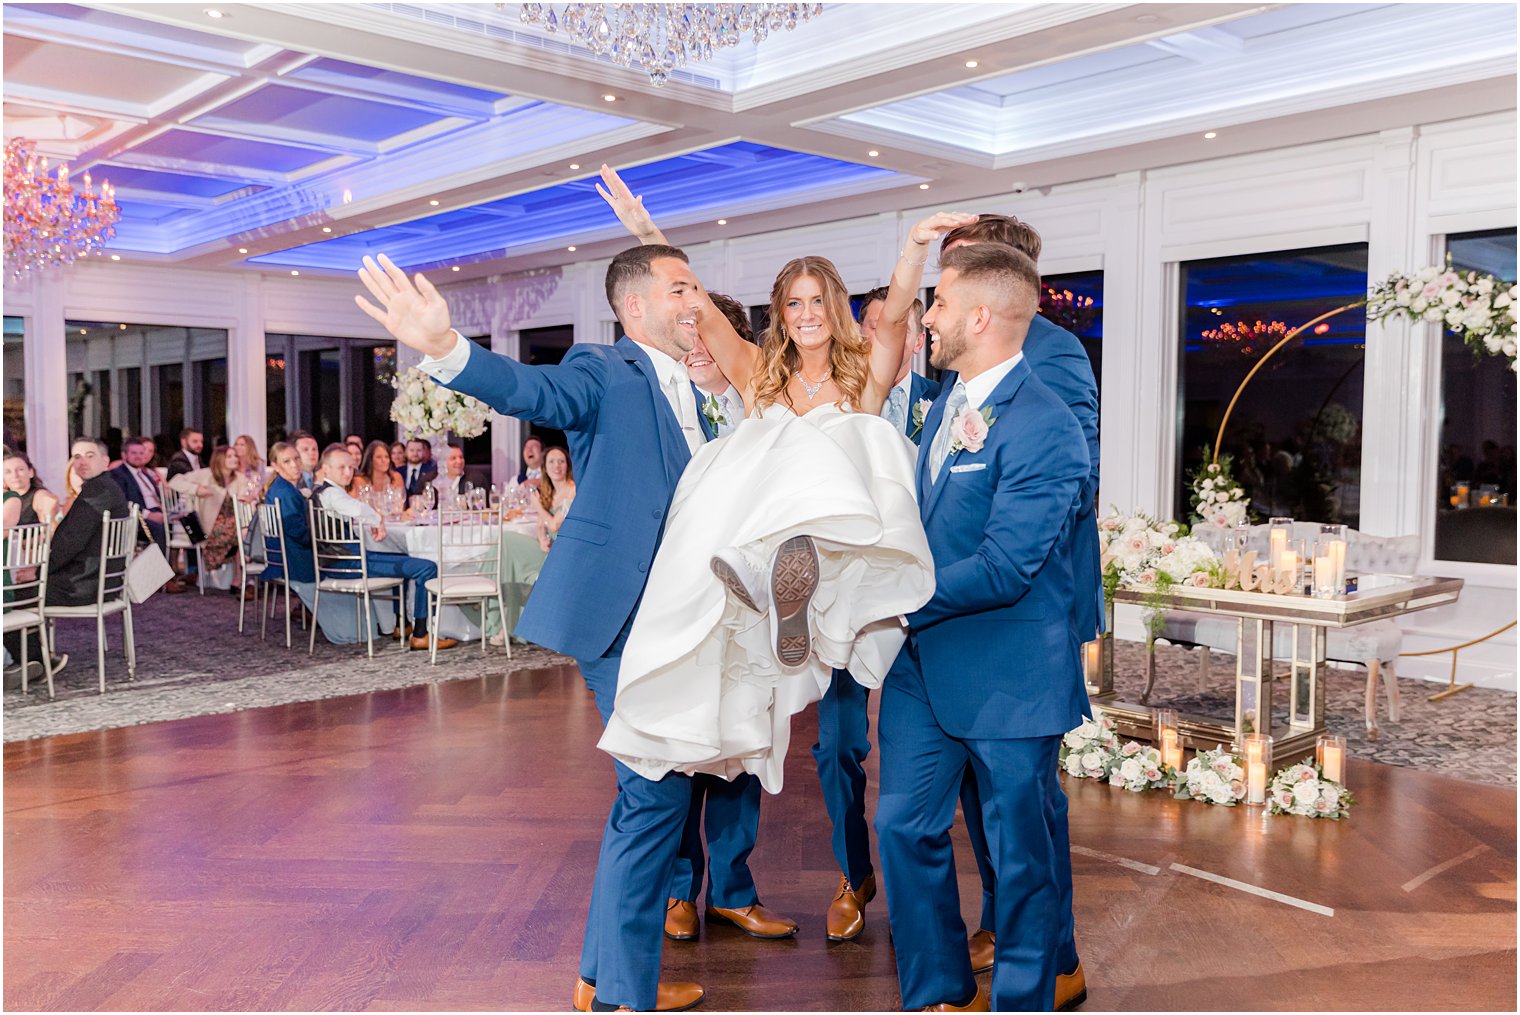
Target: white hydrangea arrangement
pixel 1140 553
pixel 1139 768
pixel 1303 790
pixel 424 408
pixel 1092 749
pixel 1218 500
pixel 1214 777
pixel 1479 308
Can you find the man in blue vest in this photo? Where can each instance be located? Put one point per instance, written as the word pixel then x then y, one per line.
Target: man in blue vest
pixel 632 422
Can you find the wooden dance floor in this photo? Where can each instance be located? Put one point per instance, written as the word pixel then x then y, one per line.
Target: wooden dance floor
pixel 433 848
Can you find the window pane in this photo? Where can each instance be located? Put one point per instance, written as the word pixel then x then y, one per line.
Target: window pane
pixel 1296 432
pixel 376 367
pixel 1475 491
pixel 320 376
pixel 15 383
pixel 169 390
pixel 1075 302
pixel 211 388
pixel 274 390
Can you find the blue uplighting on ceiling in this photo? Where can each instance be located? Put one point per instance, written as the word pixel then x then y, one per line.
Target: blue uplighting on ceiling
pixel 335 116
pixel 176 184
pixel 716 181
pixel 230 151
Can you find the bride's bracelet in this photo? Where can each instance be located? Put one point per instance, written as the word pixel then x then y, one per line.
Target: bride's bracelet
pixel 903 255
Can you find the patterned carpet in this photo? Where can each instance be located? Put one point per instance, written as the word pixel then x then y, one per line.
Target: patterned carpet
pixel 191 661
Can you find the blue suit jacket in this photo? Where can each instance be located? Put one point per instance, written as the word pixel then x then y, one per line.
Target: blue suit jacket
pixel 998 654
pixel 920 387
pixel 1057 358
pixel 297 530
pixel 629 451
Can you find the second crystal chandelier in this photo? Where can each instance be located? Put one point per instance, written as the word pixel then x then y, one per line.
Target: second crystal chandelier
pixel 663 36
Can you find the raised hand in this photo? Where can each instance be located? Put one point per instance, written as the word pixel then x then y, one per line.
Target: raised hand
pixel 628 208
pixel 416 315
pixel 925 232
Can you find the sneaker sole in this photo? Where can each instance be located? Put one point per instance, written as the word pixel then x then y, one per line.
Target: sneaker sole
pixel 730 578
pixel 794 579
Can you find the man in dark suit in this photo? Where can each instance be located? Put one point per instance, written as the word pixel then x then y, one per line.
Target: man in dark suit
pixel 988 677
pixel 139 484
pixel 621 407
pixel 188 458
pixel 74 560
pixel 420 469
pixel 532 461
pixel 843 725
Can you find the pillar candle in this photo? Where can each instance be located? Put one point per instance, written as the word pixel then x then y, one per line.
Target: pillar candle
pixel 1334 763
pixel 1338 564
pixel 1279 543
pixel 1092 661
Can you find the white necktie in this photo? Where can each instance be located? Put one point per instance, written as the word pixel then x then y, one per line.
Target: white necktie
pixel 941 449
pixel 684 404
pixel 896 409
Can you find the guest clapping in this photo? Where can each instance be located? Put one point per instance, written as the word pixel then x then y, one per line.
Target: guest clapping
pixel 556 490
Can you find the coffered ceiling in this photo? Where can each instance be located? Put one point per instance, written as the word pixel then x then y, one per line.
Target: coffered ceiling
pixel 302 136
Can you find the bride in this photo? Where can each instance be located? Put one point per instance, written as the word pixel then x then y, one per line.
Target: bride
pixel 792 546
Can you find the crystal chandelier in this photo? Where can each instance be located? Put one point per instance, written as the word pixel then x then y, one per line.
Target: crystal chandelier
pixel 47 220
pixel 663 36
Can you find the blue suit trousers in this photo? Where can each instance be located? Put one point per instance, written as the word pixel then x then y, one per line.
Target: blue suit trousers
pixel 843 742
pixel 727 814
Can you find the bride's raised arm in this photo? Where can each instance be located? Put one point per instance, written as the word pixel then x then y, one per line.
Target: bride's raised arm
pixel 907 279
pixel 739 360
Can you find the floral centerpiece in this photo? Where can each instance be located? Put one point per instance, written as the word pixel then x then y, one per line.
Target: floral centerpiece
pixel 1303 790
pixel 1478 307
pixel 1218 500
pixel 424 408
pixel 1214 777
pixel 1091 750
pixel 1154 557
pixel 1140 768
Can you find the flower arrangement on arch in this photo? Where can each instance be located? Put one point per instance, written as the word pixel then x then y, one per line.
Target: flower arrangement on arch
pixel 424 408
pixel 1218 499
pixel 1092 749
pixel 1213 777
pixel 1478 307
pixel 1304 791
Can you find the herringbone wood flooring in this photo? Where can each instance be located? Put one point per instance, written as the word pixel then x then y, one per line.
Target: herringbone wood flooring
pixel 433 847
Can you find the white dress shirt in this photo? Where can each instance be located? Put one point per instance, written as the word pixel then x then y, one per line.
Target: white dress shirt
pixel 148 486
pixel 981 387
pixel 339 501
pixel 730 404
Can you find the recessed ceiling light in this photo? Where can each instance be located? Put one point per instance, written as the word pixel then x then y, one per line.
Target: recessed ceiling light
pixel 212 12
pixel 923 186
pixel 294 272
pixel 123 327
pixel 571 249
pixel 873 153
pixel 609 97
pixel 1147 19
pixel 455 268
pixel 434 202
pixel 723 222
pixel 970 64
pixel 1211 135
pixel 575 165
pixel 242 250
pixel 327 229
pixel 116 257
pixel 83 332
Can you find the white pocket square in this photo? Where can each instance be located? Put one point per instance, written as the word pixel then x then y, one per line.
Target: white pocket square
pixel 973 467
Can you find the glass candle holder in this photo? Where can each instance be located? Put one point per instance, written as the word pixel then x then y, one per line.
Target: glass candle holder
pixel 1279 531
pixel 1323 572
pixel 1092 662
pixel 1162 720
pixel 1330 752
pixel 1258 766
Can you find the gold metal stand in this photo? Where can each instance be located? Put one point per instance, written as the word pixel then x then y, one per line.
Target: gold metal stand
pixel 1452 687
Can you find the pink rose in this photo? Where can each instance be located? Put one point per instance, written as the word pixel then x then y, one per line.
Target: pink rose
pixel 970 429
pixel 1199 580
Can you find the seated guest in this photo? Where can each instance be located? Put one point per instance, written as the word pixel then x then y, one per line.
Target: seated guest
pixel 533 462
pixel 188 458
pixel 34 501
pixel 250 462
pixel 308 453
pixel 374 471
pixel 139 485
pixel 355 445
pixel 556 490
pixel 419 468
pixel 282 490
pixel 338 468
pixel 398 454
pixel 231 484
pixel 452 485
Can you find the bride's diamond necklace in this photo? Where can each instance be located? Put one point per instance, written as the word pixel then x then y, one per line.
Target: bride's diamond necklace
pixel 812 389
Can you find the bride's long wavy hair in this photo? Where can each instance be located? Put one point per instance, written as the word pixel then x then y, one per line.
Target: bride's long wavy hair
pixel 849 352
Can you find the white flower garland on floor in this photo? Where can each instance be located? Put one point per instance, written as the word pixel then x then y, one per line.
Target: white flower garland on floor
pixel 1303 790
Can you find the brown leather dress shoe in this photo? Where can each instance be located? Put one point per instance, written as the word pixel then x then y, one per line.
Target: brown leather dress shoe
pixel 681 920
pixel 756 921
pixel 981 1002
pixel 983 949
pixel 1071 988
pixel 669 997
pixel 847 916
pixel 422 643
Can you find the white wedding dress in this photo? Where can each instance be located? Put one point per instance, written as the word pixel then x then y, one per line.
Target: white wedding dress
pixel 700 689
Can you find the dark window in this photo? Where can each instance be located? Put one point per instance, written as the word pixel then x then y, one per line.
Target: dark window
pixel 274 390
pixel 15 383
pixel 211 393
pixel 375 366
pixel 1475 490
pixel 169 389
pixel 1074 301
pixel 321 394
pixel 1296 431
pixel 131 401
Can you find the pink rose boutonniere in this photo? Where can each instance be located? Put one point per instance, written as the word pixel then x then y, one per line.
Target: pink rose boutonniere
pixel 968 431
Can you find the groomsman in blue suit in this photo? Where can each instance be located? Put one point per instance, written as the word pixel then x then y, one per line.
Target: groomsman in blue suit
pixel 1057 358
pixel 632 422
pixel 990 675
pixel 843 724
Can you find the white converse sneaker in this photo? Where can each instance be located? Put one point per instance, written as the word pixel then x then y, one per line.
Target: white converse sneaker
pixel 794 579
pixel 743 577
